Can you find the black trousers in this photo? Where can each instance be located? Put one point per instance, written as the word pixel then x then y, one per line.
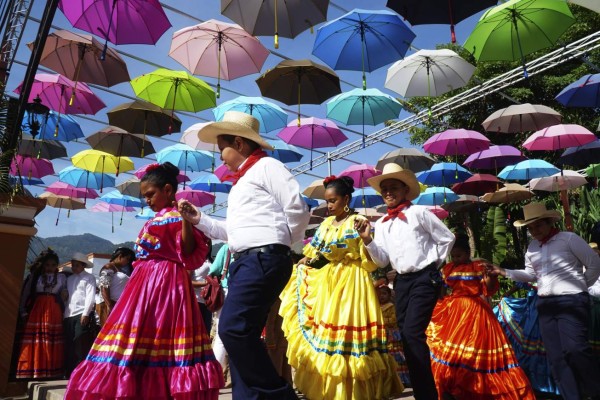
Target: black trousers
pixel 255 281
pixel 564 322
pixel 416 296
pixel 78 340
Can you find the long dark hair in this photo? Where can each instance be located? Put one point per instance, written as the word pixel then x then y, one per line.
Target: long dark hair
pixel 37 269
pixel 161 174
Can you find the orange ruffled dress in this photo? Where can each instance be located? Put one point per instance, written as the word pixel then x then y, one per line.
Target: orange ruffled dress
pixel 471 357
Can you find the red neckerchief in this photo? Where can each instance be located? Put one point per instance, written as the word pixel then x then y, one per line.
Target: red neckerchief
pixel 396 212
pixel 552 233
pixel 248 163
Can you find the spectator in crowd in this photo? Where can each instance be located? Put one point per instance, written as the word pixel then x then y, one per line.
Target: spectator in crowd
pixel 112 281
pixel 198 282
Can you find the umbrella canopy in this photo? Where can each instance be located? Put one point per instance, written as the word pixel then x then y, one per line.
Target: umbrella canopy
pixel 60 94
pixel 443 174
pixel 407 158
pixel 321 211
pixel 210 183
pixel 464 203
pixel 477 185
pixel 584 92
pixel 360 173
pixel 558 137
pixel 64 189
pixel 49 149
pixel 119 142
pixel 456 141
pixel 223 173
pixel 218 49
pixel 363 40
pixel 116 197
pixel 439 212
pixel 581 155
pixel 131 187
pixel 521 117
pixel 146 213
pixel 56 201
pixel 82 178
pixel 510 193
pixel 435 196
pixel 517 28
pixel 315 190
pixel 589 4
pixel 311 203
pixel 495 157
pixel 190 137
pixel 185 157
pixel 269 115
pixel 78 57
pixel 564 180
pixel 370 213
pixel 284 152
pixel 367 197
pixel 280 18
pixel 198 198
pixel 24 180
pixel 299 82
pixel 100 161
pixel 31 167
pixel 54 126
pixel 140 116
pixel 140 172
pixel 429 73
pixel 102 206
pixel 528 169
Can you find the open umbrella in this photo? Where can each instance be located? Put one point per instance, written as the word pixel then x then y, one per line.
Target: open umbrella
pixel 520 118
pixel 102 206
pixel 190 137
pixel 315 190
pixel 131 187
pixel 439 212
pixel 119 142
pixel 275 17
pixel 64 189
pixel 558 137
pixel 363 40
pixel 56 201
pixel 299 82
pixel 210 183
pixel 140 172
pixel 24 180
pixel 495 157
pixel 54 127
pixel 510 193
pixel 370 213
pixel 360 173
pixel 223 173
pixel 219 50
pixel 452 142
pixel 584 92
pixel 82 178
pixel 185 157
pixel 140 116
pixel 465 202
pixel 517 28
pixel 100 161
pixel 31 167
pixel 435 196
pixel 363 107
pixel 49 149
pixel 146 213
pixel 198 198
pixel 564 180
pixel 528 169
pixel 284 152
pixel 407 158
pixel 478 185
pixel 115 197
pixel 581 155
pixel 311 203
pixel 443 174
pixel 269 115
pixel 367 197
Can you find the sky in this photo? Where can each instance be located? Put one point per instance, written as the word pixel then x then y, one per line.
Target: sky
pixel 142 59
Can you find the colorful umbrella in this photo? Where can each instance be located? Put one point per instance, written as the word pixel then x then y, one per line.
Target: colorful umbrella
pixel 456 141
pixel 139 116
pixel 517 28
pixel 363 107
pixel 119 142
pixel 185 157
pixel 435 196
pixel 581 155
pixel 82 178
pixel 368 197
pixel 286 18
pixel 55 127
pixel 495 157
pixel 315 190
pixel 31 167
pixel 407 158
pixel 24 180
pixel 564 180
pixel 56 201
pixel 49 149
pixel 370 213
pixel 146 213
pixel 584 92
pixel 64 189
pixel 140 172
pixel 311 203
pixel 443 174
pixel 521 117
pixel 558 137
pixel 510 193
pixel 360 173
pixel 363 40
pixel 210 183
pixel 101 206
pixel 464 203
pixel 284 152
pixel 299 82
pixel 131 187
pixel 116 197
pixel 190 138
pixel 198 198
pixel 438 212
pixel 100 161
pixel 429 73
pixel 528 169
pixel 218 49
pixel 223 173
pixel 478 185
pixel 269 115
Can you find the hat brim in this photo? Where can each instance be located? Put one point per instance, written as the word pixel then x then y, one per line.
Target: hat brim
pixel 552 214
pixel 405 176
pixel 210 132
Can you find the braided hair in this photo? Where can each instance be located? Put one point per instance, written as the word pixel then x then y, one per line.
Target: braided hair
pixel 160 174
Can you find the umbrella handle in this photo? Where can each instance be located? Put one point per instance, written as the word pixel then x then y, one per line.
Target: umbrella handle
pixel 220 40
pixel 276 37
pixel 112 11
pixel 362 55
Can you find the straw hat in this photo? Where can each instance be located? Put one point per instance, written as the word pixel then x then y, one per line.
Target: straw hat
pixel 234 123
pixel 593 245
pixel 394 171
pixel 536 211
pixel 82 258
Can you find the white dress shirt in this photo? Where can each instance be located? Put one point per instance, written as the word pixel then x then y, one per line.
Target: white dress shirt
pixel 595 289
pixel 264 207
pixel 199 275
pixel 413 244
pixel 557 266
pixel 82 292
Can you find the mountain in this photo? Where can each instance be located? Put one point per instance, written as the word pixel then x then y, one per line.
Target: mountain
pixel 65 246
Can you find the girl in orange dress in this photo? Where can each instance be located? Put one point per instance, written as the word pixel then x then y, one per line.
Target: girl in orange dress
pixel 471 357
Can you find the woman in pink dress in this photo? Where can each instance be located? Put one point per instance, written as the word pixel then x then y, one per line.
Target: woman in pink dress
pixel 154 344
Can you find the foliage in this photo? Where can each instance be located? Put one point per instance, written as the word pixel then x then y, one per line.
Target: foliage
pixel 500 240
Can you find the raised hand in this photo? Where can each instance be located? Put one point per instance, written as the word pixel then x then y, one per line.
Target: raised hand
pixel 188 211
pixel 363 227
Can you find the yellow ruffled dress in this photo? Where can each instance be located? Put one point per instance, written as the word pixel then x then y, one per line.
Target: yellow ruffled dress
pixel 333 322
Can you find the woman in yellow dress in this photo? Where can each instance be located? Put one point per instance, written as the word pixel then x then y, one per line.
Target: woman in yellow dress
pixel 331 315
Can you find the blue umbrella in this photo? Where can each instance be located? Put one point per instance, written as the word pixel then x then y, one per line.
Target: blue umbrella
pixel 284 152
pixel 368 198
pixel 116 197
pixel 528 169
pixel 26 181
pixel 146 213
pixel 186 157
pixel 53 127
pixel 584 92
pixel 270 115
pixel 436 196
pixel 210 183
pixel 82 178
pixel 443 174
pixel 363 40
pixel 311 203
pixel 363 107
pixel 581 155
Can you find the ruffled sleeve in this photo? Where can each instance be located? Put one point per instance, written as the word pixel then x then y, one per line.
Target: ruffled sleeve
pixel 310 249
pixel 105 278
pixel 198 256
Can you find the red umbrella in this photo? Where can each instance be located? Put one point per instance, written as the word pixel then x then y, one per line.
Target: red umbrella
pixel 198 198
pixel 478 185
pixel 360 173
pixel 31 167
pixel 438 211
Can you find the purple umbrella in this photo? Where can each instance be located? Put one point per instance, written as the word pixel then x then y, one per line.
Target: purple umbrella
pixel 31 167
pixel 495 157
pixel 559 136
pixel 313 133
pixel 198 198
pixel 456 141
pixel 360 173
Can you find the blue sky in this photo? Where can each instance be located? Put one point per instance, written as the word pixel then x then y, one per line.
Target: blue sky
pixel 84 221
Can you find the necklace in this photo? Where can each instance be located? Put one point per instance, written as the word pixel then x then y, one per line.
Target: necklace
pixel 49 282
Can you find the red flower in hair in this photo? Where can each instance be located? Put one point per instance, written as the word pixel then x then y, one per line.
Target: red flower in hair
pixel 329 179
pixel 152 167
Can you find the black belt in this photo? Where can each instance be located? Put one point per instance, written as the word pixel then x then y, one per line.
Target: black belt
pixel 267 249
pixel 429 268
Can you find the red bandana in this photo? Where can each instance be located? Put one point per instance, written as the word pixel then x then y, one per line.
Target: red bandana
pixel 552 233
pixel 396 212
pixel 250 161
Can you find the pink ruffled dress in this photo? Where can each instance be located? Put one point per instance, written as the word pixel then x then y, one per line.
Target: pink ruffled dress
pixel 154 344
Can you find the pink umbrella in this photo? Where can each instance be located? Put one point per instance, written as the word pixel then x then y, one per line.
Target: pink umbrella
pixel 31 167
pixel 313 133
pixel 360 173
pixel 439 212
pixel 495 157
pixel 59 94
pixel 198 198
pixel 218 49
pixel 559 136
pixel 140 172
pixel 64 189
pixel 223 173
pixel 102 206
pixel 456 141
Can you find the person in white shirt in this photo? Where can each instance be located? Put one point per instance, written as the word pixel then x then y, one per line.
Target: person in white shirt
pixel 78 321
pixel 415 242
pixel 198 277
pixel 265 215
pixel 112 281
pixel 556 261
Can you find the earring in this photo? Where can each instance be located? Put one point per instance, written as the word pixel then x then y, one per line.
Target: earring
pixel 346 208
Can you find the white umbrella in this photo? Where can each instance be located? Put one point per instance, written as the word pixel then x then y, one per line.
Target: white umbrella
pixel 521 117
pixel 190 137
pixel 565 180
pixel 593 5
pixel 428 73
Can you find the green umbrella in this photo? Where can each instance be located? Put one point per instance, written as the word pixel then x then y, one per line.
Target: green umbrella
pixel 517 28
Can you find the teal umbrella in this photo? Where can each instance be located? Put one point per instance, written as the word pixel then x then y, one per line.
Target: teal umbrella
pixel 517 28
pixel 363 107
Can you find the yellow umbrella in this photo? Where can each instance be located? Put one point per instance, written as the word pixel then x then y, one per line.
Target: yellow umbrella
pixel 100 161
pixel 57 201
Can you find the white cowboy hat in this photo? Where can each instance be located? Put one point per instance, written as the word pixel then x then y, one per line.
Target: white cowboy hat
pixel 82 258
pixel 536 211
pixel 394 171
pixel 234 123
